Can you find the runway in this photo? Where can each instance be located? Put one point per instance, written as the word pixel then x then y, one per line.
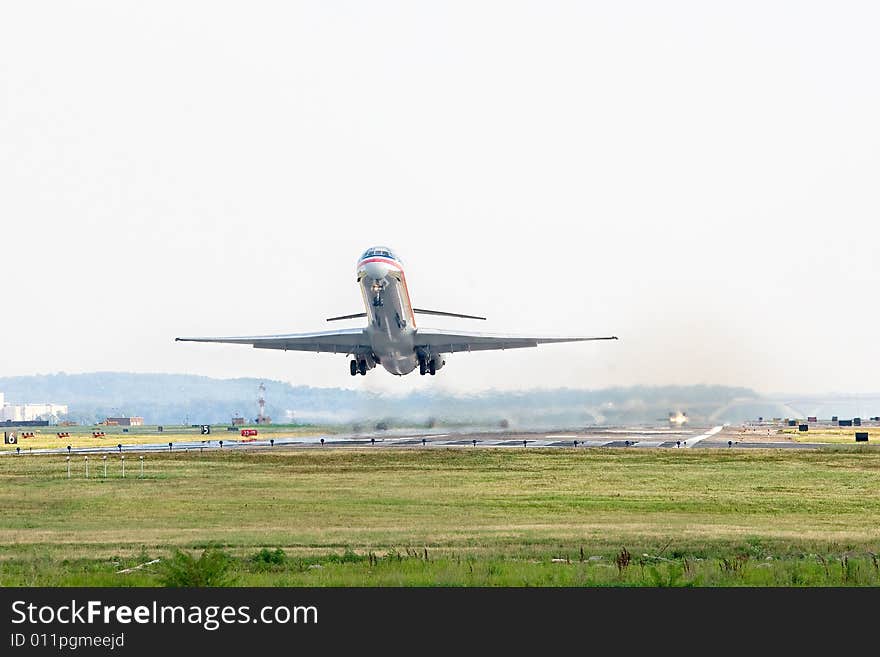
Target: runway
pixel 591 438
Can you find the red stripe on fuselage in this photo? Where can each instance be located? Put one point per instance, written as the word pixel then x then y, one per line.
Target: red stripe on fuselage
pixel 386 261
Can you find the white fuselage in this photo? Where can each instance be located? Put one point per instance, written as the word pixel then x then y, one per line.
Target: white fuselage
pixel 390 320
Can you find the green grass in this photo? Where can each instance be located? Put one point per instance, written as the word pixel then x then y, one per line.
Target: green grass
pixel 450 517
pixel 844 436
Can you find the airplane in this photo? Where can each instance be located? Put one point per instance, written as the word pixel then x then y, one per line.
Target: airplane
pixel 391 338
pixel 678 418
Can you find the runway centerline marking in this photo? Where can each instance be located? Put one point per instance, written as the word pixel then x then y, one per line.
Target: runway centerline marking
pixel 690 442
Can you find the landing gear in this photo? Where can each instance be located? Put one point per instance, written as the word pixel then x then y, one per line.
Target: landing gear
pixel 429 365
pixel 358 366
pixel 377 288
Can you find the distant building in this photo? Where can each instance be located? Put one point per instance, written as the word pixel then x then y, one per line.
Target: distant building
pixel 238 421
pixel 30 412
pixel 133 421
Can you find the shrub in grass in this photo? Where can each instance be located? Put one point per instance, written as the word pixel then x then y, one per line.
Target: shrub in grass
pixel 622 560
pixel 266 558
pixel 349 556
pixel 672 576
pixel 210 569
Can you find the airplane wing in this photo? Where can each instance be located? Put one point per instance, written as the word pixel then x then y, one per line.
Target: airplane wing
pixel 346 341
pixel 439 341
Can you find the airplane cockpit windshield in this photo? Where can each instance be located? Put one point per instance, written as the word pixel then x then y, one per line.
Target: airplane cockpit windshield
pixel 380 251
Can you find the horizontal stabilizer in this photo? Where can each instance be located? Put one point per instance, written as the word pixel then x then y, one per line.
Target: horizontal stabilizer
pixel 355 316
pixel 422 311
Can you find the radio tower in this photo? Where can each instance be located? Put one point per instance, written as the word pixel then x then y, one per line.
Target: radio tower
pixel 261 400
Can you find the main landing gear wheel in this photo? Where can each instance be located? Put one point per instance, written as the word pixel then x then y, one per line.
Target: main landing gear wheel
pixel 354 367
pixel 362 368
pixel 432 368
pixel 423 367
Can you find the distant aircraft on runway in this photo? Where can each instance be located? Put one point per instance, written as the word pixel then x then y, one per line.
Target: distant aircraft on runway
pixel 678 418
pixel 391 338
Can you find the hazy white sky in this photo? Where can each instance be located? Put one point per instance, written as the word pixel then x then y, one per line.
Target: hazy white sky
pixel 701 179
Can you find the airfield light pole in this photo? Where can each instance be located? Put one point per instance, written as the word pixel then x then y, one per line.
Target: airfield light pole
pixel 104 458
pixel 68 466
pixel 142 466
pixel 87 467
pixel 123 465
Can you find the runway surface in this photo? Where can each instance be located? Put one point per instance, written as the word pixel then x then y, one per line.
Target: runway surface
pixel 593 437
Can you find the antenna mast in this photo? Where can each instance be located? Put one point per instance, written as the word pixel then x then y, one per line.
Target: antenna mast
pixel 261 401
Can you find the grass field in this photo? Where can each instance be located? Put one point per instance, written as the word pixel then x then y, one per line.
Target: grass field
pixel 449 517
pixel 844 436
